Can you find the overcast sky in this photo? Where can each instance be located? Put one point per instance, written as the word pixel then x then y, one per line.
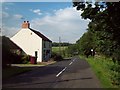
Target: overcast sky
pixel 53 19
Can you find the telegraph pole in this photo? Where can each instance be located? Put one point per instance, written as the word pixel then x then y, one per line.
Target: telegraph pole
pixel 60 45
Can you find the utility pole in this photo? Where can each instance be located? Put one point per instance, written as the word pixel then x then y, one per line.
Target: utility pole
pixel 67 49
pixel 60 45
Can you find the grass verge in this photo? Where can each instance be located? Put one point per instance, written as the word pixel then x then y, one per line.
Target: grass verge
pixel 101 66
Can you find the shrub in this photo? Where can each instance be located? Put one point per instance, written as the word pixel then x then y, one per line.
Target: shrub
pixel 56 57
pixel 25 59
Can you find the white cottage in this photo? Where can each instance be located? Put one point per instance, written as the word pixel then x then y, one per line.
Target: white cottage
pixel 33 43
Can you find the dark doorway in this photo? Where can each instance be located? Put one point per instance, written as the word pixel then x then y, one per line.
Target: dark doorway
pixel 36 55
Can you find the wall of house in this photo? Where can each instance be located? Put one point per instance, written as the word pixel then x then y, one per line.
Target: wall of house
pixel 47 47
pixel 29 42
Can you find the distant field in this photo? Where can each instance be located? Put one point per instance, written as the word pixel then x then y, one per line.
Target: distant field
pixel 62 51
pixel 57 49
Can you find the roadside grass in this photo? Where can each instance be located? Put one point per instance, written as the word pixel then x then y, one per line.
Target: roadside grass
pixel 101 66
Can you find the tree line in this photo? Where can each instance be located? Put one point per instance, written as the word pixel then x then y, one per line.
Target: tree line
pixel 56 44
pixel 103 33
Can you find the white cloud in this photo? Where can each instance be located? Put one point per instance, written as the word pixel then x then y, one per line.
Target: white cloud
pixel 36 11
pixel 17 16
pixel 65 23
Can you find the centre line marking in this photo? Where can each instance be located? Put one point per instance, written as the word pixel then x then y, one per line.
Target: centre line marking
pixel 74 59
pixel 70 63
pixel 61 72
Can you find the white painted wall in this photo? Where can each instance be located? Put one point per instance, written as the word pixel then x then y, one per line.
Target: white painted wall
pixel 29 42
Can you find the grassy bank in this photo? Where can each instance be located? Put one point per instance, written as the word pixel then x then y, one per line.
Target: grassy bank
pixel 102 68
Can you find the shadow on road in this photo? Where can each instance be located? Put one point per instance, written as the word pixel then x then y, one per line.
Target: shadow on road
pixel 66 80
pixel 33 75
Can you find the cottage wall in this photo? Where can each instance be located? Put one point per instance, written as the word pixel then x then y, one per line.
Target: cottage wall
pixel 33 42
pixel 46 50
pixel 29 42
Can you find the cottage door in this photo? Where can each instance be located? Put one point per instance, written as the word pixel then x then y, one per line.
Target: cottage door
pixel 36 55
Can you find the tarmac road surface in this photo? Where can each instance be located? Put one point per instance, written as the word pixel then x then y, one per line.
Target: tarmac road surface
pixel 73 73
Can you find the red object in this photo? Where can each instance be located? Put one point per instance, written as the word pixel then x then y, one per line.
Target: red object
pixel 32 60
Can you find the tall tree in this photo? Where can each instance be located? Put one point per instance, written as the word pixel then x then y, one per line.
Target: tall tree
pixel 86 42
pixel 105 23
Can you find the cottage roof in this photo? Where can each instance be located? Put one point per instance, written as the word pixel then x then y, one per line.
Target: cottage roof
pixel 41 35
pixel 26 25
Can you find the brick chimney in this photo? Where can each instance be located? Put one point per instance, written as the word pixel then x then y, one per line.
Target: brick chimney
pixel 26 24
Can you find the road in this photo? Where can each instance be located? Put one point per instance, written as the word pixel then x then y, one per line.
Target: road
pixel 74 73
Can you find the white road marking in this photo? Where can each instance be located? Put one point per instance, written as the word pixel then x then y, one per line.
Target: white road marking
pixel 64 68
pixel 61 72
pixel 70 63
pixel 74 59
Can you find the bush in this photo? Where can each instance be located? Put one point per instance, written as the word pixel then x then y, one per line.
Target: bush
pixel 56 57
pixel 16 59
pixel 25 59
